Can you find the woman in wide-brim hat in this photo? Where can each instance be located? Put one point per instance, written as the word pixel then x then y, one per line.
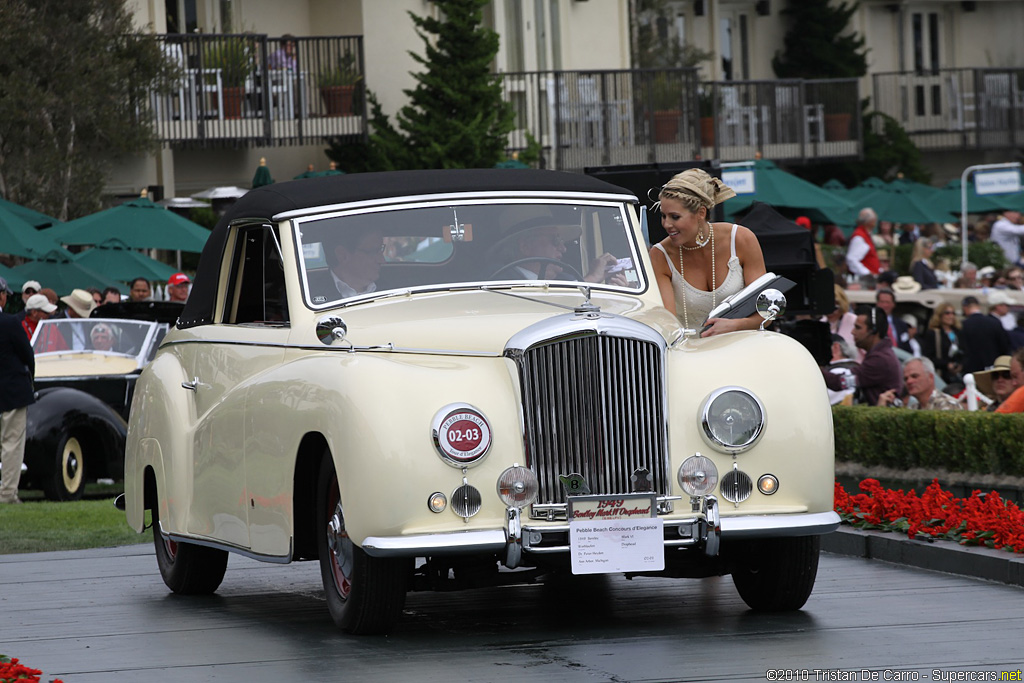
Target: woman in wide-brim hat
pixel 995 381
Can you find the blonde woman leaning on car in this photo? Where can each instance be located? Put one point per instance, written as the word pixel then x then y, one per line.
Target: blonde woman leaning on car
pixel 699 264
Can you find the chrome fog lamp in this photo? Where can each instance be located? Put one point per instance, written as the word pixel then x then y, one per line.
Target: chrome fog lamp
pixel 466 501
pixel 767 484
pixel 732 420
pixel 698 476
pixel 437 502
pixel 518 486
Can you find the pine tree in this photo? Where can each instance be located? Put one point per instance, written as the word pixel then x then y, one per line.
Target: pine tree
pixel 456 117
pixel 819 44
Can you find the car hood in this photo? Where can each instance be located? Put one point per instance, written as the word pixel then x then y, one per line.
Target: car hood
pixel 481 322
pixel 83 364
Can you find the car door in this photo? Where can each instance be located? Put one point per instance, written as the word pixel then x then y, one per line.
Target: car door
pixel 247 340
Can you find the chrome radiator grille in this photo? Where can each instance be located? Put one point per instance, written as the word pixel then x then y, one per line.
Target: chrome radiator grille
pixel 594 405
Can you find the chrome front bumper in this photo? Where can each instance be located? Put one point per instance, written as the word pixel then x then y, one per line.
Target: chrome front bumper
pixel 516 540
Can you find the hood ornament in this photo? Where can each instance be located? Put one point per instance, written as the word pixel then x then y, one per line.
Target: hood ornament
pixel 587 309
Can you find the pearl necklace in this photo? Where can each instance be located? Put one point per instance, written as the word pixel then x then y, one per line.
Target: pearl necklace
pixel 714 297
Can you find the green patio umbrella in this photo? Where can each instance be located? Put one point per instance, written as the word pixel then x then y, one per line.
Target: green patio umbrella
pixel 62 274
pixel 333 170
pixel 19 238
pixel 780 189
pixel 308 173
pixel 262 176
pixel 114 259
pixel 901 205
pixel 14 281
pixel 30 216
pixel 949 199
pixel 511 163
pixel 139 224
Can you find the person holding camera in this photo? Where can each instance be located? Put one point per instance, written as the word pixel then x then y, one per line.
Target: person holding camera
pixel 919 378
pixel 879 371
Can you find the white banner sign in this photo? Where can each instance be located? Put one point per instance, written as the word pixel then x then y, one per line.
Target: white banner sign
pixel 997 182
pixel 742 182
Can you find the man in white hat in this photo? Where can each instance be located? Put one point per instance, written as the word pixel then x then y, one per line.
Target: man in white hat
pixel 999 307
pixel 80 304
pixel 37 308
pixel 28 289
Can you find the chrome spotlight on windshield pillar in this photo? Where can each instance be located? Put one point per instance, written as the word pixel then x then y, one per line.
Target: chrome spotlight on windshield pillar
pixel 330 329
pixel 771 304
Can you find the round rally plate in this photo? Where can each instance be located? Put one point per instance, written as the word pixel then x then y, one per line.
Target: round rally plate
pixel 461 434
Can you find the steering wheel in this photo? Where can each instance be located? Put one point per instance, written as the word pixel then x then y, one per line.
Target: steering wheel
pixel 538 259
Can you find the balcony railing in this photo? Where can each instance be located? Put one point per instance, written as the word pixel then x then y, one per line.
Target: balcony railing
pixel 253 90
pixel 950 109
pixel 596 118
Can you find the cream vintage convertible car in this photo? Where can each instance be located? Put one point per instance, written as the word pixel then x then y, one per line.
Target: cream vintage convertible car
pixel 424 379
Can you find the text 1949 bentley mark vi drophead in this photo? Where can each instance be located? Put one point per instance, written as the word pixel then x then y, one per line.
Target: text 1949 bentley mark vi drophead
pixel 424 378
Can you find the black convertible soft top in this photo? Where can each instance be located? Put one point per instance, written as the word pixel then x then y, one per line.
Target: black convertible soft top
pixel 268 201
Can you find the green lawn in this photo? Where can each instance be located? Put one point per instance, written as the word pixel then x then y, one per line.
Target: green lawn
pixel 39 526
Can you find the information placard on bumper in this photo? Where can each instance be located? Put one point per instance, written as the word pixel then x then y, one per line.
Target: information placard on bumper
pixel 615 534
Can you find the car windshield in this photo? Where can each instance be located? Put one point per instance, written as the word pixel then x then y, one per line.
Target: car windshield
pixel 438 245
pixel 114 336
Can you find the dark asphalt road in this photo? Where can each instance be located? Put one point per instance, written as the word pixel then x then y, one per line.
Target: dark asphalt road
pixel 102 615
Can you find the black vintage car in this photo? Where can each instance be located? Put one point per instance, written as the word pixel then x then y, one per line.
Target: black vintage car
pixel 85 377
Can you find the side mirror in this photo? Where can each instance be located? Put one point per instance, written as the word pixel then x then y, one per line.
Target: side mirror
pixel 771 303
pixel 330 329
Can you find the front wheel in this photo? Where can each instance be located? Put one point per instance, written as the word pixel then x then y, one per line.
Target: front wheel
pixel 186 568
pixel 775 574
pixel 67 479
pixel 364 594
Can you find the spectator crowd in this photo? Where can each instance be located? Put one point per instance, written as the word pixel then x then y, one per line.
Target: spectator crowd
pixel 965 355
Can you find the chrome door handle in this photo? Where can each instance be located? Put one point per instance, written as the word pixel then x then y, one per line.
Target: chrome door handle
pixel 191 386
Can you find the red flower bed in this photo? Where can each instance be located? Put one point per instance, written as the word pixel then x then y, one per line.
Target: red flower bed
pixel 983 519
pixel 12 672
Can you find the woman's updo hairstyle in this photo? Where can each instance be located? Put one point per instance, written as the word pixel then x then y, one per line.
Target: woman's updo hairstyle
pixel 695 188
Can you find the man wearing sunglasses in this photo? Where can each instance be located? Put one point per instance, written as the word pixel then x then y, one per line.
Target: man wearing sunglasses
pixel 995 382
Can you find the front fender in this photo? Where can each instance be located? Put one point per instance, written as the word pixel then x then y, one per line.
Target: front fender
pixel 797 444
pixel 161 422
pixel 375 411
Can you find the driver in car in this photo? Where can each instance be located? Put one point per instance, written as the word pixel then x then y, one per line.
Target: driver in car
pixel 540 237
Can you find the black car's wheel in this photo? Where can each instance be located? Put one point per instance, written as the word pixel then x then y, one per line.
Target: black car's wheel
pixel 775 575
pixel 186 568
pixel 364 594
pixel 67 479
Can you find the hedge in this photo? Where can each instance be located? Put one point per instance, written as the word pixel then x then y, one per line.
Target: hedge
pixel 958 441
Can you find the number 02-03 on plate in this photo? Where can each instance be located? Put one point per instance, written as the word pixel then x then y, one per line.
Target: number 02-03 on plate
pixel 611 534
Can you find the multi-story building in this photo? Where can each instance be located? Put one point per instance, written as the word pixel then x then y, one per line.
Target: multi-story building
pixel 948 71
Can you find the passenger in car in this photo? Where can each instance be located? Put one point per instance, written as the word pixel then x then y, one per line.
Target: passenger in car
pixel 354 258
pixel 102 337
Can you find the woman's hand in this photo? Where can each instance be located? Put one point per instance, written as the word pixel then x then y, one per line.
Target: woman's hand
pixel 722 325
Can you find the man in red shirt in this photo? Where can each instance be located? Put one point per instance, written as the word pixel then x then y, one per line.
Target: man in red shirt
pixel 861 258
pixel 37 308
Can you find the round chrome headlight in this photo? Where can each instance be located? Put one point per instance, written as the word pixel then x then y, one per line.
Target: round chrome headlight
pixel 732 420
pixel 518 486
pixel 698 476
pixel 461 434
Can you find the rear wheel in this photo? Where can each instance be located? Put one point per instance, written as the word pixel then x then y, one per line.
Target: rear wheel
pixel 186 568
pixel 364 594
pixel 777 574
pixel 67 479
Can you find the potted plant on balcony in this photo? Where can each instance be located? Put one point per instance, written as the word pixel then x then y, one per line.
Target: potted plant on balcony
pixel 666 100
pixel 337 84
pixel 707 104
pixel 233 59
